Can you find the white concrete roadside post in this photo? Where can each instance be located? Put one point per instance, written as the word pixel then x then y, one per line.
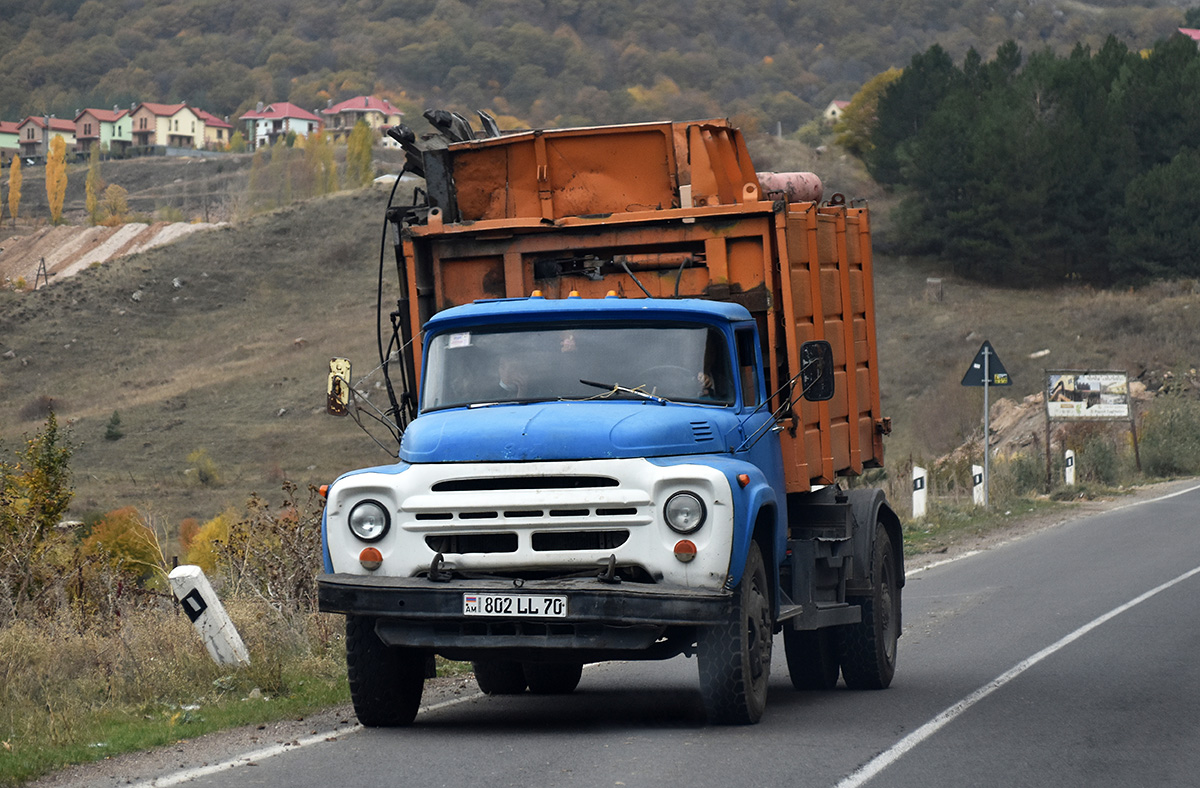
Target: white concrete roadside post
pixel 1069 468
pixel 978 487
pixel 199 601
pixel 920 492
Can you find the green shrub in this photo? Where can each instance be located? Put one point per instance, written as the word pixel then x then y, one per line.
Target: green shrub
pixel 1170 437
pixel 204 468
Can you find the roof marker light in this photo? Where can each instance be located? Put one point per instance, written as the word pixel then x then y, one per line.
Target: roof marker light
pixel 536 294
pixel 573 294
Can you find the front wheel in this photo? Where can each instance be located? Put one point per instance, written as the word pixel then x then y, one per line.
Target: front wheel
pixel 869 647
pixel 386 682
pixel 735 656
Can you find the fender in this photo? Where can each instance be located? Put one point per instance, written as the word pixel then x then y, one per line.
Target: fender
pixel 869 506
pixel 399 467
pixel 748 503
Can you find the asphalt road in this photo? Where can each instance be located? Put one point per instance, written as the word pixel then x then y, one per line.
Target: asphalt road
pixel 1065 658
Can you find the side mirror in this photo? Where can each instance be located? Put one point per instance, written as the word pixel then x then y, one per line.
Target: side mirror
pixel 816 370
pixel 337 392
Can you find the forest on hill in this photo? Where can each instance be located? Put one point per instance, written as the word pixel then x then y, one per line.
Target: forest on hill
pixel 1046 169
pixel 543 62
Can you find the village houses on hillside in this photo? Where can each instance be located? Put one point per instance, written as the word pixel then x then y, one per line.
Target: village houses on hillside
pixel 150 127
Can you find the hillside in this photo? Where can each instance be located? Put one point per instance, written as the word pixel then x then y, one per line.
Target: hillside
pixel 226 351
pixel 548 62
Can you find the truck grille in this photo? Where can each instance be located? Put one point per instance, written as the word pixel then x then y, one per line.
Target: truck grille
pixel 544 514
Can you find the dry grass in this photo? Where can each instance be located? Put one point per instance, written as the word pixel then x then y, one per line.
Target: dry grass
pixel 76 692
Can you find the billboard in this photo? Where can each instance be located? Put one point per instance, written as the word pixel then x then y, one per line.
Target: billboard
pixel 1087 396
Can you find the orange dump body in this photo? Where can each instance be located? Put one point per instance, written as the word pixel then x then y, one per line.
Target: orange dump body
pixel 679 207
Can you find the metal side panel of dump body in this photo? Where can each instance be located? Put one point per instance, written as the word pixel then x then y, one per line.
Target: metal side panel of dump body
pixel 667 210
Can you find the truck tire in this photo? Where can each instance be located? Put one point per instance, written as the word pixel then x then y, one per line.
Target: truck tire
pixel 868 648
pixel 735 656
pixel 812 658
pixel 499 676
pixel 552 678
pixel 386 682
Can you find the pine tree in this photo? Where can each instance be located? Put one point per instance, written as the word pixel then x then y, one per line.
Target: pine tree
pixel 56 178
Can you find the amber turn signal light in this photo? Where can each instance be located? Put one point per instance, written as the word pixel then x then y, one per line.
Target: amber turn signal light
pixel 685 551
pixel 370 558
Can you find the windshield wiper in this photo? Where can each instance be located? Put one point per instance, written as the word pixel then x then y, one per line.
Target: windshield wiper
pixel 614 388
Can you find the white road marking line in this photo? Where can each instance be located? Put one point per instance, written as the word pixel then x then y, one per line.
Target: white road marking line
pixel 278 749
pixel 900 748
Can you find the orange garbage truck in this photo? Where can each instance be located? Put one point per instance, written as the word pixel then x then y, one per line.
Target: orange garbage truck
pixel 633 371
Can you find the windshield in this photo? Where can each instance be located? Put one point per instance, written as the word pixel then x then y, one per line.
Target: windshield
pixel 688 363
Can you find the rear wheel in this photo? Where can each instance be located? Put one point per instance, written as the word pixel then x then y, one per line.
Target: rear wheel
pixel 812 658
pixel 386 682
pixel 499 676
pixel 869 647
pixel 735 656
pixel 552 678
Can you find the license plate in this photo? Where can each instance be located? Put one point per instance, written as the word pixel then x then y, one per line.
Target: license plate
pixel 515 605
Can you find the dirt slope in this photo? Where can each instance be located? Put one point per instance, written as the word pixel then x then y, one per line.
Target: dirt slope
pixel 67 250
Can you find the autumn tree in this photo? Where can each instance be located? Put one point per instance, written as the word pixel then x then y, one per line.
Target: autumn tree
pixel 35 490
pixel 14 188
pixel 115 205
pixel 56 178
pixel 123 540
pixel 857 121
pixel 318 154
pixel 95 184
pixel 358 155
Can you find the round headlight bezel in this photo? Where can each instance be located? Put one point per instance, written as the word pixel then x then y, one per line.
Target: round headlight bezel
pixel 670 516
pixel 374 533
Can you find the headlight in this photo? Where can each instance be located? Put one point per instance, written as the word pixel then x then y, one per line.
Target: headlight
pixel 684 512
pixel 369 521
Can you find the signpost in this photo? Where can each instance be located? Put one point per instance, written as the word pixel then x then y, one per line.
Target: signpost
pixel 986 370
pixel 1088 395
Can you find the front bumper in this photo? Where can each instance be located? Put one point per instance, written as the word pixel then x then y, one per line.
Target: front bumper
pixel 602 618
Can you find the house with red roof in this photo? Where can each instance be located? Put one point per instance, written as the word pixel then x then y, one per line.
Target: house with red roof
pixel 34 134
pixel 266 124
pixel 8 136
pixel 1191 33
pixel 341 118
pixel 111 129
pixel 169 125
pixel 833 113
pixel 216 131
